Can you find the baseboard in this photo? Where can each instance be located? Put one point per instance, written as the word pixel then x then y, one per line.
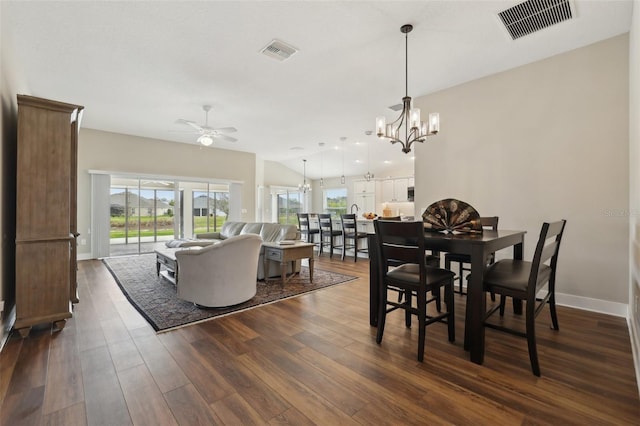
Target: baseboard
pixel 595 305
pixel 84 256
pixel 634 334
pixel 6 327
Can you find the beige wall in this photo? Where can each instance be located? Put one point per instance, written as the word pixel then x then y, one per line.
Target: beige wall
pixel 634 184
pixel 106 151
pixel 541 142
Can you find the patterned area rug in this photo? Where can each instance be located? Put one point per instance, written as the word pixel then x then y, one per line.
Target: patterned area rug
pixel 155 297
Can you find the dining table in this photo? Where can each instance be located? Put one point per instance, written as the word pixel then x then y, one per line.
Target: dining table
pixel 479 246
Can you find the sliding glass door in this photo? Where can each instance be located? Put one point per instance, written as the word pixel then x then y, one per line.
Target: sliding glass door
pixel 289 204
pixel 145 213
pixel 210 207
pixel 142 215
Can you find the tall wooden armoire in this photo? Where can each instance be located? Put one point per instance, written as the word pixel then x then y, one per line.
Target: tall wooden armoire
pixel 46 212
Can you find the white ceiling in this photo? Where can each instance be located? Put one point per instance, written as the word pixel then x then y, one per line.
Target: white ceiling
pixel 139 66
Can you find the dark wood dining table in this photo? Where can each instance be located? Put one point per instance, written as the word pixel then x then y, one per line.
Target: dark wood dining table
pixel 479 247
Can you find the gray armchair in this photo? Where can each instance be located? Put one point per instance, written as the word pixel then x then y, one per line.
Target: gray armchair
pixel 221 274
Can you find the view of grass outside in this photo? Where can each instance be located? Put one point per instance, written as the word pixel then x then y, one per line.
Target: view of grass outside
pixel 118 230
pixel 335 202
pixel 141 213
pixel 210 210
pixel 200 224
pixel 289 205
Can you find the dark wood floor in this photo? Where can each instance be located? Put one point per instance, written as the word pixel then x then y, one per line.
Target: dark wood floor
pixel 308 360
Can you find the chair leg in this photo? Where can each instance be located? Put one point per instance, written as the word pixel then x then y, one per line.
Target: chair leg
pixel 460 272
pixel 554 315
pixel 531 339
pixel 382 312
pixel 355 249
pixel 407 314
pixel 436 295
pixel 422 322
pixel 344 247
pixel 450 302
pixel 503 302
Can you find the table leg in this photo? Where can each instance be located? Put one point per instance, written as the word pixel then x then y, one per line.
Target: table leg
pixel 157 267
pixel 265 261
pixel 476 307
pixel 517 254
pixel 283 266
pixel 373 280
pixel 311 269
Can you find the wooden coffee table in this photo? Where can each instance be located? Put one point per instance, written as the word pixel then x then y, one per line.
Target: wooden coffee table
pixel 287 253
pixel 167 258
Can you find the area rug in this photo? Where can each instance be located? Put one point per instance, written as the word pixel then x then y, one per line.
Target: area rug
pixel 155 297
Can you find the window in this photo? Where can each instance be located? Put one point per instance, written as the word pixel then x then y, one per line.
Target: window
pixel 334 201
pixel 289 205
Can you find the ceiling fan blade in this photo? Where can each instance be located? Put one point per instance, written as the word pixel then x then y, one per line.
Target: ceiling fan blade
pixel 226 130
pixel 185 132
pixel 190 123
pixel 225 138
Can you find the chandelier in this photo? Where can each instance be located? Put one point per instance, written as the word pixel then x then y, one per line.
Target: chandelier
pixel 414 129
pixel 304 187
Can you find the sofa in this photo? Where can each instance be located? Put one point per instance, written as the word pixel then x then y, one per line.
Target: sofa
pixel 210 276
pixel 269 232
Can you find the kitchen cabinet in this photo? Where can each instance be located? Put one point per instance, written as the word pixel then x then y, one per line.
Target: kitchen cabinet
pixel 366 202
pixel 364 195
pixel 366 226
pixel 363 186
pixel 394 190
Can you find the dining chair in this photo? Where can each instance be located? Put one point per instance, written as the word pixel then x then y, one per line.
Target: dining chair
pixel 328 235
pixel 350 233
pixel 464 260
pixel 404 242
pixel 524 280
pixel 432 259
pixel 306 231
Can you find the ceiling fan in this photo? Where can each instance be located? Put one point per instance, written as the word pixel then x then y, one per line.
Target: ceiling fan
pixel 208 134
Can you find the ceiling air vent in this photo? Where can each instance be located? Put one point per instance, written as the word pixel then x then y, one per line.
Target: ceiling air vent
pixel 279 50
pixel 534 15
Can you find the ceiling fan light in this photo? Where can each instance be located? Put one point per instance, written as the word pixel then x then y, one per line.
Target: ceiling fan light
pixel 205 140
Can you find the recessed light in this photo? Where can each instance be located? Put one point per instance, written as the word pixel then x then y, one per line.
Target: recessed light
pixel 296 148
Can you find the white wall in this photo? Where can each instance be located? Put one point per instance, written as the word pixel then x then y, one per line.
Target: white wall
pixel 542 142
pixel 107 151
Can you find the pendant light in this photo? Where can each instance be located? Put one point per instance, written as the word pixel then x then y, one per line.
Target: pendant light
pixel 321 145
pixel 342 178
pixel 368 176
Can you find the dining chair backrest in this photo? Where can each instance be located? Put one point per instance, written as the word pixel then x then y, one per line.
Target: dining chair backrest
pixel 489 222
pixel 400 242
pixel 546 251
pixel 326 223
pixel 303 221
pixel 349 224
pixel 396 218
